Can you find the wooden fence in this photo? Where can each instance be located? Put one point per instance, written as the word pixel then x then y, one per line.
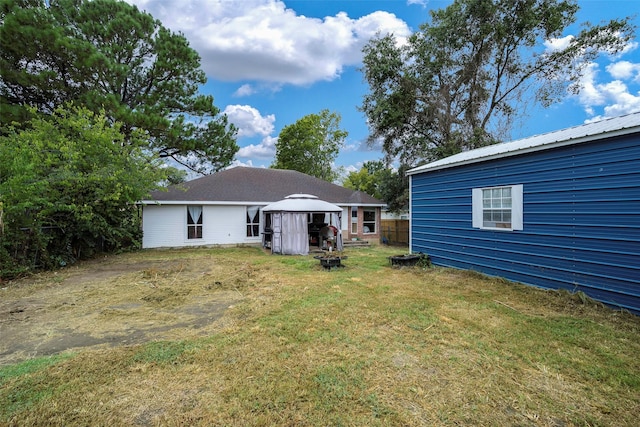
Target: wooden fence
pixel 395 231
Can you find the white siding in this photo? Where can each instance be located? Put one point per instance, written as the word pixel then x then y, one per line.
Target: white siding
pixel 225 225
pixel 166 226
pixel 163 226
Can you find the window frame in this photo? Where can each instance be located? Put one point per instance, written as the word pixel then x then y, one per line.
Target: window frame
pixel 195 225
pixel 516 208
pixel 253 225
pixel 366 223
pixel 354 220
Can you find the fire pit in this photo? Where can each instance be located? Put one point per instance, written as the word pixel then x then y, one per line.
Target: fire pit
pixel 330 262
pixel 408 260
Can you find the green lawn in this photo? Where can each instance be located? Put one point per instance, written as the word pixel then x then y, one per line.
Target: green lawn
pixel 364 345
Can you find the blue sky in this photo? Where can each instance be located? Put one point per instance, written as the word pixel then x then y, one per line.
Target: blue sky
pixel 271 62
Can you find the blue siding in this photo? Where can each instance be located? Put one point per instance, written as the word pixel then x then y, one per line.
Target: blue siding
pixel 581 207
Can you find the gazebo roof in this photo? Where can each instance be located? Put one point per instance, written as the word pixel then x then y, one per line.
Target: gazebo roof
pixel 301 203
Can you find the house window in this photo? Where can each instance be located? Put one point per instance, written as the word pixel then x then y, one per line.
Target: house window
pixel 354 220
pixel 369 220
pixel 194 222
pixel 498 208
pixel 253 221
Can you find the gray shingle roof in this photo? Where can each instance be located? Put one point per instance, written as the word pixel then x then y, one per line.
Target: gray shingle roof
pixel 259 185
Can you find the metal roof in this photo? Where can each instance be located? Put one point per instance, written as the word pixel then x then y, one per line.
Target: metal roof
pixel 606 128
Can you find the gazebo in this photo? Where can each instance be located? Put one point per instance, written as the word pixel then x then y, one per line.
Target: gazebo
pixel 289 223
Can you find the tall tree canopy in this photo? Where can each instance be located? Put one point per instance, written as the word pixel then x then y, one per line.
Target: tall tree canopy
pixel 459 81
pixel 108 56
pixel 68 188
pixel 369 179
pixel 382 182
pixel 311 145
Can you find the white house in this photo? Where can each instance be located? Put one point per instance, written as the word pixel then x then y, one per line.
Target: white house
pixel 224 208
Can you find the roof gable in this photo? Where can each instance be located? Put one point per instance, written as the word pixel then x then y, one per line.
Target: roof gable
pixel 259 185
pixel 607 128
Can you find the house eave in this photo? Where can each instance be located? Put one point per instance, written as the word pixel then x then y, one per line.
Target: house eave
pixel 201 202
pixel 237 203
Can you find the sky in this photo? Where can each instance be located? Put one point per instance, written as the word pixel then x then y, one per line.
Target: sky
pixel 271 62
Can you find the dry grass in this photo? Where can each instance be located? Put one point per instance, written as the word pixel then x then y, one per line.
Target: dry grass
pixel 362 345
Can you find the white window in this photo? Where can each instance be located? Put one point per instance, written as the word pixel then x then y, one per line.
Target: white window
pixel 253 221
pixel 369 220
pixel 354 220
pixel 497 208
pixel 194 222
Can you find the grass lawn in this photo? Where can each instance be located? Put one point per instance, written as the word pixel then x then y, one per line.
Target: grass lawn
pixel 363 345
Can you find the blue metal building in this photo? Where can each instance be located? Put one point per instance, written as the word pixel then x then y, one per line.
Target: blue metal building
pixel 559 210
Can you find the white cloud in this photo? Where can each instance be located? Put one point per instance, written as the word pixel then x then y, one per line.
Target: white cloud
pixel 553 45
pixel 264 40
pixel 375 145
pixel 252 89
pixel 351 148
pixel 245 90
pixel 353 168
pixel 237 163
pixel 631 46
pixel 613 98
pixel 590 94
pixel 561 43
pixel 249 121
pixel 606 95
pixel 266 149
pixel 624 70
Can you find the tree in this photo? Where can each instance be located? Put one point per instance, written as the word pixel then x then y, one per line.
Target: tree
pixel 68 188
pixel 394 189
pixel 108 56
pixel 311 145
pixel 382 182
pixel 368 179
pixel 459 82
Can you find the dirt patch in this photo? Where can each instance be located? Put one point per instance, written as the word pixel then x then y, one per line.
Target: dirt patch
pixel 116 301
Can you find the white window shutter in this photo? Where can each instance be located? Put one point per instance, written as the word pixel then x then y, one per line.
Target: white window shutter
pixel 517 222
pixel 476 207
